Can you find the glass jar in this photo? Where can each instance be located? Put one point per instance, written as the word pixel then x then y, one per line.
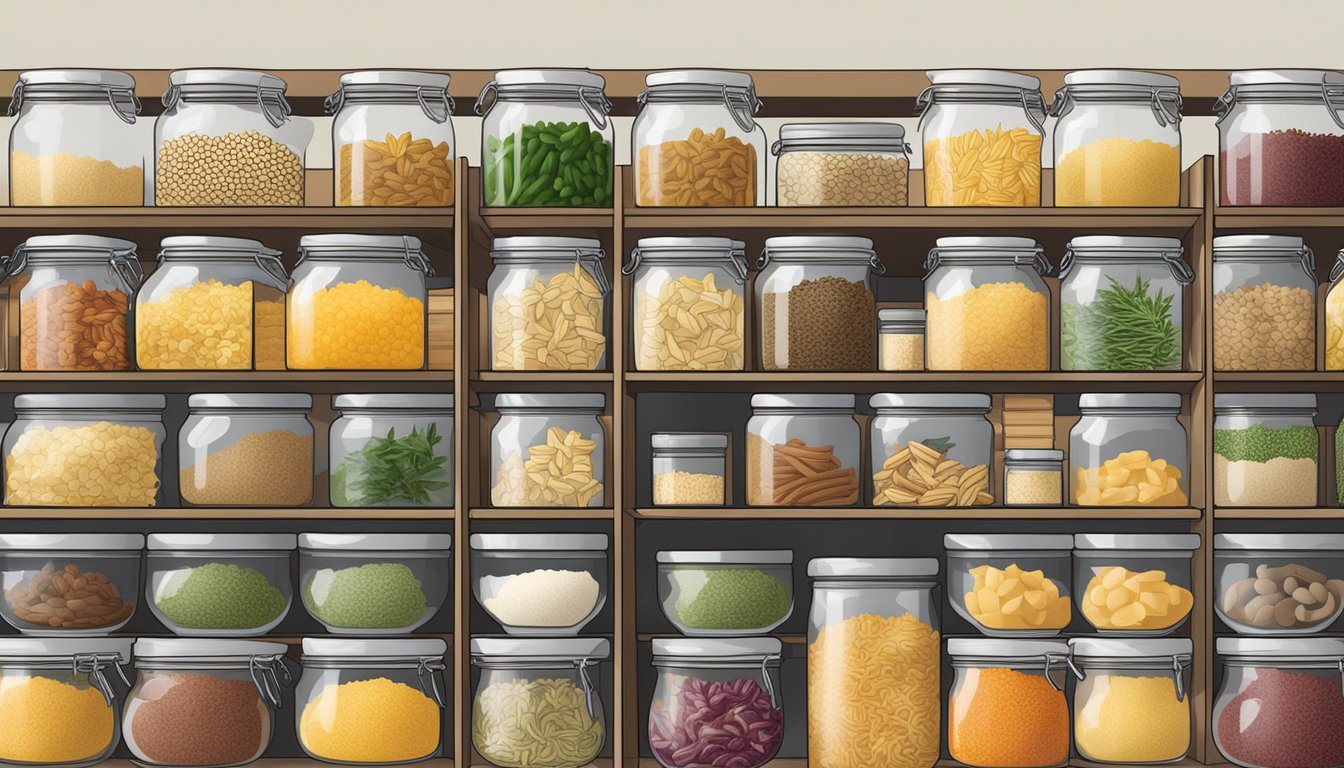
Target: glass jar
pixel 74 142
pixel 1278 583
pixel 1270 688
pixel 854 164
pixel 540 583
pixel 358 302
pixel 42 572
pixel 547 450
pixel 1264 303
pixel 208 703
pixel 802 451
pixel 1129 450
pixel 1134 585
pixel 1009 584
pixel 374 583
pixel 69 300
pixel 1131 704
pixel 982 130
pixel 815 303
pixel 221 297
pixel 391 450
pixel 689 307
pixel 228 137
pixel 690 469
pixel 246 450
pixel 703 683
pixel 219 584
pixel 900 334
pixel 1265 450
pixel 537 702
pixel 1334 318
pixel 548 304
pixel 392 139
pixel 546 139
pixel 932 450
pixel 1122 303
pixel 58 704
pixel 1117 139
pixel 71 450
pixel 696 141
pixel 1033 477
pixel 1281 138
pixel 988 305
pixel 728 593
pixel 873 663
pixel 371 702
pixel 1008 681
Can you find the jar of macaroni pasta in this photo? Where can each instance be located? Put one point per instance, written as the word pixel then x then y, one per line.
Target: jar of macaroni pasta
pixel 856 164
pixel 1129 450
pixel 696 141
pixel 1264 303
pixel 690 469
pixel 900 339
pixel 74 142
pixel 1132 700
pixel 547 450
pixel 392 450
pixel 1266 449
pixel 1001 681
pixel 689 308
pixel 548 304
pixel 1117 139
pixel 803 451
pixel 358 302
pixel 932 450
pixel 1033 477
pixel 246 450
pixel 983 130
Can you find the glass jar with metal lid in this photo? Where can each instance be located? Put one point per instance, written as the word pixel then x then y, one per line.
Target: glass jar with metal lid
pixel 690 469
pixel 547 450
pixel 1266 450
pixel 982 130
pixel 1132 700
pixel 219 584
pixel 371 702
pixel 1334 317
pixel 228 137
pixel 1129 449
pixel 374 583
pixel 1011 584
pixel 858 164
pixel 988 305
pixel 246 450
pixel 815 303
pixel 726 593
pixel 44 570
pixel 1033 477
pixel 392 450
pixel 1135 584
pixel 221 297
pixel 540 583
pixel 803 451
pixel 546 139
pixel 74 141
pixel 1278 583
pixel 900 334
pixel 932 450
pixel 696 141
pixel 1117 139
pixel 548 304
pixel 1281 138
pixel 358 302
pixel 689 307
pixel 392 139
pixel 1264 303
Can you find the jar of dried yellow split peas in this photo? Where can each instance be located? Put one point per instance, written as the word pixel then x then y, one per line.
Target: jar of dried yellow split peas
pixel 696 141
pixel 858 164
pixel 900 339
pixel 1264 303
pixel 392 138
pixel 803 451
pixel 547 450
pixel 983 130
pixel 1117 139
pixel 1131 703
pixel 1011 584
pixel 249 449
pixel 932 450
pixel 689 307
pixel 873 663
pixel 1129 450
pixel 548 304
pixel 1134 584
pixel 358 302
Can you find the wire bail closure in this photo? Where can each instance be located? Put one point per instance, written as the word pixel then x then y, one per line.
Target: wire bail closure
pixel 1035 258
pixel 270 675
pixel 589 688
pixel 93 665
pixel 737 257
pixel 1179 269
pixel 426 669
pixel 874 262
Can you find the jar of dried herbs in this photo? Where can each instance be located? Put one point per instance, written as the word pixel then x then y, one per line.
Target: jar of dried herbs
pixel 392 450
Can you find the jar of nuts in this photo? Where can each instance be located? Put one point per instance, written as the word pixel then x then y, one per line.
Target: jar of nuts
pixel 689 313
pixel 1264 303
pixel 1278 583
pixel 547 450
pixel 548 304
pixel 70 583
pixel 842 164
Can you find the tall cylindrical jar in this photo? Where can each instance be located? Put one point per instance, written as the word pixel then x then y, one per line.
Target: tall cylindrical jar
pixel 1129 449
pixel 1334 317
pixel 392 450
pixel 932 450
pixel 246 450
pixel 856 164
pixel 1008 681
pixel 689 313
pixel 548 304
pixel 1265 450
pixel 802 451
pixel 900 339
pixel 1132 703
pixel 1264 303
pixel 548 450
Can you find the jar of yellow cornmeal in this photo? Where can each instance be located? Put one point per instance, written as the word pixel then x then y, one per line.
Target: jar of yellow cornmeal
pixel 1132 704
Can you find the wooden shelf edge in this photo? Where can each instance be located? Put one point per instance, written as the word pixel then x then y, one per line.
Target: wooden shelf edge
pixel 225 513
pixel 987 377
pixel 1283 513
pixel 912 513
pixel 541 513
pixel 799 762
pixel 288 762
pixel 788 639
pixel 543 376
pixel 205 377
pixel 911 217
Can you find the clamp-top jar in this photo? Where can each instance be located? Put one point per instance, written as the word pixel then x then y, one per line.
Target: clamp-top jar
pixel 1131 703
pixel 842 164
pixel 1129 449
pixel 75 141
pixel 1264 303
pixel 689 310
pixel 548 304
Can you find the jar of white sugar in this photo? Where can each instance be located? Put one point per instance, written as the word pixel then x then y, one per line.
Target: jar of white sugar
pixel 1033 478
pixel 689 469
pixel 540 583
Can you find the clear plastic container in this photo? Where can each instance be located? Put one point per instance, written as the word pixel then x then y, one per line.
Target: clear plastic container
pixel 219 584
pixel 1266 450
pixel 1131 704
pixel 900 339
pixel 548 450
pixel 548 304
pixel 1117 139
pixel 988 305
pixel 540 583
pixel 726 593
pixel 537 702
pixel 815 303
pixel 1033 477
pixel 374 583
pixel 392 450
pixel 1281 703
pixel 392 139
pixel 527 112
pixel 855 164
pixel 983 130
pixel 1129 450
pixel 1134 585
pixel 696 141
pixel 371 702
pixel 1278 583
pixel 932 450
pixel 689 304
pixel 873 663
pixel 1122 304
pixel 690 469
pixel 246 450
pixel 207 703
pixel 223 297
pixel 803 451
pixel 42 574
pixel 704 684
pixel 1264 303
pixel 74 142
pixel 1281 138
pixel 1010 584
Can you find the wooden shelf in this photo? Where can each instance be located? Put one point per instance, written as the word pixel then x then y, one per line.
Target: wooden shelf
pixel 299 217
pixel 316 382
pixel 544 376
pixel 520 513
pixel 915 217
pixel 1253 217
pixel 1279 513
pixel 225 513
pixel 500 219
pixel 287 762
pixel 799 762
pixel 917 513
pixel 872 381
pixel 645 637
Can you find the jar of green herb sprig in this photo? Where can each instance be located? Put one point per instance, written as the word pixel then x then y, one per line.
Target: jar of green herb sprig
pixel 392 451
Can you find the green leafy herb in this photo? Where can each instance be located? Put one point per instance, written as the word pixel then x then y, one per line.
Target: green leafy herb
pixel 1123 330
pixel 939 444
pixel 393 469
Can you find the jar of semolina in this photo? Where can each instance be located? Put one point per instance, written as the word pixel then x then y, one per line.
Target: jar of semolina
pixel 246 450
pixel 689 307
pixel 1129 450
pixel 1033 477
pixel 548 304
pixel 854 164
pixel 1132 703
pixel 548 450
pixel 392 450
pixel 900 339
pixel 1264 304
pixel 689 469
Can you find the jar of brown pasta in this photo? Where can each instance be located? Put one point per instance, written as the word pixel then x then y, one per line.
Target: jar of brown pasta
pixel 802 451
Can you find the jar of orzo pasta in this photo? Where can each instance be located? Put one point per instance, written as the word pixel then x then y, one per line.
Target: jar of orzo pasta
pixel 689 310
pixel 1264 303
pixel 548 304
